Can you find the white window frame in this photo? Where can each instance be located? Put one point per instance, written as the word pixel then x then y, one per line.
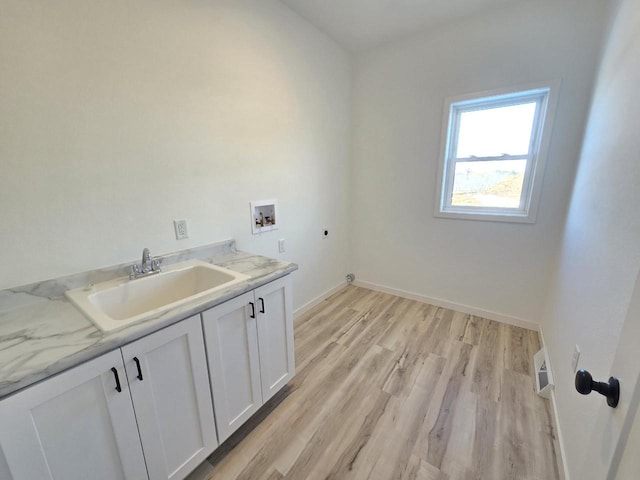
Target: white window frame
pixel 546 96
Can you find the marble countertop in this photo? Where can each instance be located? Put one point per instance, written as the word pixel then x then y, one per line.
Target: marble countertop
pixel 42 333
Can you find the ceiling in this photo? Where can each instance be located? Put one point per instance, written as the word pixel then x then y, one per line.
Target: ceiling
pixel 362 24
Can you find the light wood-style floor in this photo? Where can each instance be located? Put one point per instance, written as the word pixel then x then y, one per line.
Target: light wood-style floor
pixel 389 388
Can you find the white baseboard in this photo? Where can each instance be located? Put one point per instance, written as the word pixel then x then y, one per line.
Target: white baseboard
pixel 560 451
pixel 459 307
pixel 320 298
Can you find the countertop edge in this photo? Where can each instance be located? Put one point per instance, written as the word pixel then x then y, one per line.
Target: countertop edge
pixel 122 337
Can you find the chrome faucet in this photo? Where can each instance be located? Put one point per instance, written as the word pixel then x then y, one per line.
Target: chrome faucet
pixel 148 266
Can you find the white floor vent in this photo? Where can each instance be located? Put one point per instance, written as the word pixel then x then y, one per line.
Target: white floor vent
pixel 544 379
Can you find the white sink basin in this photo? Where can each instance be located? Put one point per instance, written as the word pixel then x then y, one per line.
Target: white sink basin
pixel 122 302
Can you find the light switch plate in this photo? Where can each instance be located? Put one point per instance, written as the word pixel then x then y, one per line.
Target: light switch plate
pixel 281 245
pixel 575 359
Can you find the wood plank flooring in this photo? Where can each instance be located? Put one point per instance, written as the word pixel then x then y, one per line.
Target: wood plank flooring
pixel 389 388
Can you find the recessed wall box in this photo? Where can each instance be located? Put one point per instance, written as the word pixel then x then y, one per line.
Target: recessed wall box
pixel 264 216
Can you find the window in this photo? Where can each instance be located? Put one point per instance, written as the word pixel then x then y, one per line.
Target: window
pixel 494 152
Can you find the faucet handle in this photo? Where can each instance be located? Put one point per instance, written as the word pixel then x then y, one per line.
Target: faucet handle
pixel 155 264
pixel 134 272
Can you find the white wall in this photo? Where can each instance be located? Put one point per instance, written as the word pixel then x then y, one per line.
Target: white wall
pixel 118 117
pixel 399 90
pixel 600 254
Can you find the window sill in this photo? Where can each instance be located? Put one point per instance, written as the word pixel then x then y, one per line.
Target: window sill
pixel 516 217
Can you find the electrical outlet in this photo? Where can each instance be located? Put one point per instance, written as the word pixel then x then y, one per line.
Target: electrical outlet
pixel 281 245
pixel 575 358
pixel 181 229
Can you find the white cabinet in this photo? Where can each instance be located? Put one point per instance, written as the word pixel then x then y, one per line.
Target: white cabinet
pixel 81 424
pixel 145 411
pixel 275 335
pixel 169 384
pixel 73 426
pixel 231 337
pixel 250 352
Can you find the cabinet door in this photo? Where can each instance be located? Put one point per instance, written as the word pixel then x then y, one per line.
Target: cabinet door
pixel 172 399
pixel 73 426
pixel 275 335
pixel 232 353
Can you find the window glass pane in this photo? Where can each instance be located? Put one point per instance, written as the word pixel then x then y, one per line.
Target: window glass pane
pixel 496 131
pixel 489 184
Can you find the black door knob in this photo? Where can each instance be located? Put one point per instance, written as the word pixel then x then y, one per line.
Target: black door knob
pixel 585 385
